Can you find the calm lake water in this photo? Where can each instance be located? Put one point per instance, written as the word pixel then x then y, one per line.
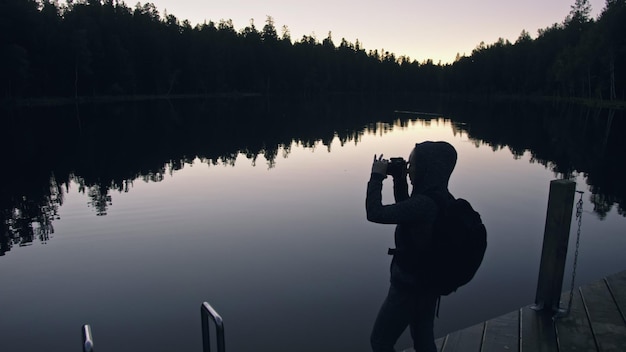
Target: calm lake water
pixel 281 247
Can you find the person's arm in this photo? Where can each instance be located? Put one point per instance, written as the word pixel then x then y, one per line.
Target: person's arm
pixel 400 188
pixel 406 211
pixel 374 197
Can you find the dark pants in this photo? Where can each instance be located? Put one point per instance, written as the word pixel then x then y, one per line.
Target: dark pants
pixel 404 308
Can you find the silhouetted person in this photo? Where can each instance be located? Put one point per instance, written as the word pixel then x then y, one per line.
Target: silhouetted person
pixel 409 301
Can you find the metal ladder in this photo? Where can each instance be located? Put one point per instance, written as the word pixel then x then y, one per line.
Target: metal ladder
pixel 206 313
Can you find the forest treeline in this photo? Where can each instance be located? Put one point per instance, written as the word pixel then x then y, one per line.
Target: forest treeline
pixel 89 48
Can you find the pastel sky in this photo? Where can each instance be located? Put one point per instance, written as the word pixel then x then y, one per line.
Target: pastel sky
pixel 419 29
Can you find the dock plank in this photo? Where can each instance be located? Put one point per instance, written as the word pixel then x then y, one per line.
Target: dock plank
pixel 538 334
pixel 617 284
pixel 440 343
pixel 606 322
pixel 573 331
pixel 595 322
pixel 466 340
pixel 502 333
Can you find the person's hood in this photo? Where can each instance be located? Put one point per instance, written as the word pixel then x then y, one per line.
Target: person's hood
pixel 433 164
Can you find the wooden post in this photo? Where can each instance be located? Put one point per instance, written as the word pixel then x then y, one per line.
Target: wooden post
pixel 555 240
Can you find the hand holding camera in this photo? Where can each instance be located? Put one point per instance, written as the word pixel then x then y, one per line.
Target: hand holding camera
pixel 395 167
pixel 380 165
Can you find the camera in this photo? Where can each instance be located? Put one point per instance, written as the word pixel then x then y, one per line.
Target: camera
pixel 396 166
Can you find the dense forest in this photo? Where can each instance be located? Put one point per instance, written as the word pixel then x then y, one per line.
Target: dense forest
pixel 84 49
pixel 94 48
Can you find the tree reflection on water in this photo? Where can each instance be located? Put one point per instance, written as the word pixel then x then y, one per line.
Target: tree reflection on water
pixel 113 145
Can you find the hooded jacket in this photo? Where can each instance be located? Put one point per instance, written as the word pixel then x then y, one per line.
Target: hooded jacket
pixel 432 164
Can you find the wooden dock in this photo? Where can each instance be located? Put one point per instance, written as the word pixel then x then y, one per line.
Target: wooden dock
pixel 596 322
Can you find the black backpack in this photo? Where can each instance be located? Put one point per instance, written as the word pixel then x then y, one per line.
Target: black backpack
pixel 459 244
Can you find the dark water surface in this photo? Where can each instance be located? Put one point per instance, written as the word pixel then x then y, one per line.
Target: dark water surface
pixel 130 224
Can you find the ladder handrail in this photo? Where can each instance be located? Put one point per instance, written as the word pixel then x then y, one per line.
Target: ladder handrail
pixel 207 311
pixel 87 338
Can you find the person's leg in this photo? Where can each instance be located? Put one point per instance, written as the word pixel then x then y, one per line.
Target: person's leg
pixel 422 323
pixel 393 318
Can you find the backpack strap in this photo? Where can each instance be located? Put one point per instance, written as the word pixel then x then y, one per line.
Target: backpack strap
pixel 439 198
